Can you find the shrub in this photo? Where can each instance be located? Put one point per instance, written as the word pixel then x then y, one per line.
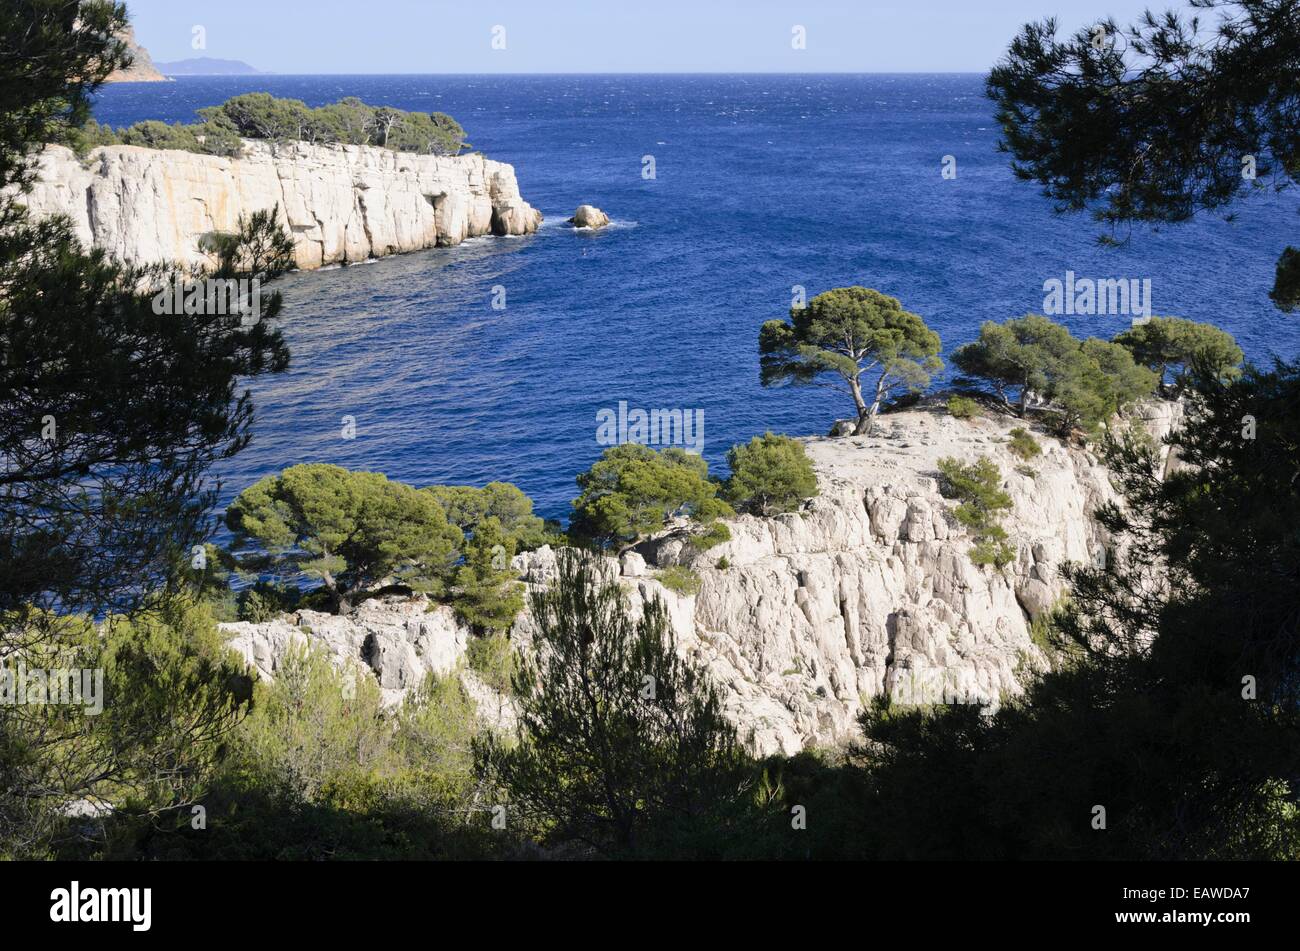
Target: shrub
pixel 486 594
pixel 977 487
pixel 632 491
pixel 769 475
pixel 266 600
pixel 622 743
pixel 265 117
pixel 715 534
pixel 1023 444
pixel 963 407
pixel 492 657
pixel 681 580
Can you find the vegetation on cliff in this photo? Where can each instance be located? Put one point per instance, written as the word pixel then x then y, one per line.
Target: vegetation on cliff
pixel 262 116
pixel 865 338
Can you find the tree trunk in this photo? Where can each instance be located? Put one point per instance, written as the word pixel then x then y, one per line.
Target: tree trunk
pixel 865 413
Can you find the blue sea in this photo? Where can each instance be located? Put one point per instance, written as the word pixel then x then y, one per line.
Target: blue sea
pixel 763 182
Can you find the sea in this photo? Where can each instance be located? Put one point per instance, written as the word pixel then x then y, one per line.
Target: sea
pixel 730 195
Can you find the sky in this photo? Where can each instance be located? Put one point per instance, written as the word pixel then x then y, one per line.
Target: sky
pixel 605 36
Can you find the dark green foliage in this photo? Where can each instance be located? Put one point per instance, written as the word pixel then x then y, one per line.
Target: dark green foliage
pixel 1158 121
pixel 260 247
pixel 1153 718
pixel 171 699
pixel 352 530
pixel 1023 444
pixel 1286 285
pixel 713 535
pixel 111 415
pixel 468 507
pixel 1173 345
pixel 486 593
pixel 259 115
pixel 853 333
pixel 1082 383
pixel 633 491
pixel 622 744
pixel 977 486
pixel 769 475
pixel 57 52
pixel 963 407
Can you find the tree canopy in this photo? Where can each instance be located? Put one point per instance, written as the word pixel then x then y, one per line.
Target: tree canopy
pixel 352 530
pixel 632 492
pixel 261 116
pixel 1038 361
pixel 622 744
pixel 1170 346
pixel 1159 120
pixel 468 507
pixel 770 474
pixel 858 334
pixel 111 415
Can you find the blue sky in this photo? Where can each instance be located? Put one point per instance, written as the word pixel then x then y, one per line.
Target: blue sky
pixel 547 36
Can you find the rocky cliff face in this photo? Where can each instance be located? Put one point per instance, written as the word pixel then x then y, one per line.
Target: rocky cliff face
pixel 342 203
pixel 868 590
pixel 142 69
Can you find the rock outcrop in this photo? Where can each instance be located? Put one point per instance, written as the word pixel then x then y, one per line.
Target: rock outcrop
pixel 142 69
pixel 342 203
pixel 589 216
pixel 868 590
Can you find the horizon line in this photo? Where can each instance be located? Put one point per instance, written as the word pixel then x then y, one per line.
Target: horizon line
pixel 829 72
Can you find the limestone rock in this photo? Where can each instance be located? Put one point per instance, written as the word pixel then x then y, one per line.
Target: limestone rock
pixel 341 203
pixel 867 590
pixel 142 69
pixel 589 216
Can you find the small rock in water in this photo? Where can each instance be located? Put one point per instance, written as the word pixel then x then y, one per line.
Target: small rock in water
pixel 589 216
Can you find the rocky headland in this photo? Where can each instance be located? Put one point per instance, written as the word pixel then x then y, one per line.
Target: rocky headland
pixel 805 617
pixel 142 68
pixel 342 203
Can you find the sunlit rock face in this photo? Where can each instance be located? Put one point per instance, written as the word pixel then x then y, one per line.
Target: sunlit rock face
pixel 868 590
pixel 343 203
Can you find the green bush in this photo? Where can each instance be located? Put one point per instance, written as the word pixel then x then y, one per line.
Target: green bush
pixel 1023 444
pixel 486 594
pixel 769 475
pixel 1036 359
pixel 266 600
pixel 977 486
pixel 963 407
pixel 492 657
pixel 352 530
pixel 681 580
pixel 632 492
pixel 262 116
pixel 715 534
pixel 623 749
pixel 1171 345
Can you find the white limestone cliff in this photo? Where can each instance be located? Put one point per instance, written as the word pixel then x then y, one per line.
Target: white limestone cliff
pixel 868 590
pixel 342 203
